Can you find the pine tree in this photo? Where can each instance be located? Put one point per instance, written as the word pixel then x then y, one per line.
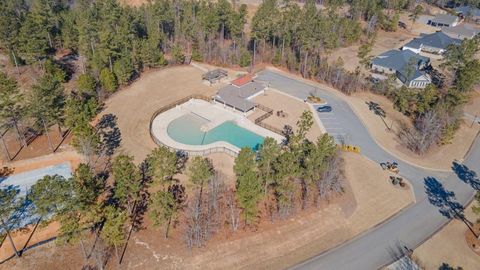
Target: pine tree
pixel 11 104
pixel 199 171
pixel 163 209
pixel 113 229
pixel 127 182
pixel 163 164
pixel 50 195
pixel 46 104
pixel 8 205
pixel 267 154
pixel 248 185
pixel 86 83
pixel 108 80
pixel 124 70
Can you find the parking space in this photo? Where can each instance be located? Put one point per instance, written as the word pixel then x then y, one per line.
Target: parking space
pixel 333 126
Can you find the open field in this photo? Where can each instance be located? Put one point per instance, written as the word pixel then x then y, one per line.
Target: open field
pixel 449 246
pixel 135 105
pixel 369 199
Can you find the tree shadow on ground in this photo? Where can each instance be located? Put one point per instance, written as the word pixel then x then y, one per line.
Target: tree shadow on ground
pixel 467 175
pixel 445 201
pixel 402 255
pixel 110 135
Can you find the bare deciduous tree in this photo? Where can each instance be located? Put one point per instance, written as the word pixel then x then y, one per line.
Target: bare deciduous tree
pixel 332 180
pixel 427 131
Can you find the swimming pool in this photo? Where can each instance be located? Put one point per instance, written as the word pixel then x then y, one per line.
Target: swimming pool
pixel 187 130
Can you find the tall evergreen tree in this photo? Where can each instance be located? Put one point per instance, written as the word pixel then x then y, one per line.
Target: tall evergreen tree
pixel 248 185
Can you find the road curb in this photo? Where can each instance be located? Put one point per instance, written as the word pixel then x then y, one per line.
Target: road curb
pixel 340 95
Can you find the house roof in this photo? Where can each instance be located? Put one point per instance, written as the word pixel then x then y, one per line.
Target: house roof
pixel 398 60
pixel 437 40
pixel 238 96
pixel 444 19
pixel 468 11
pixel 461 31
pixel 415 75
pixel 414 44
pixel 243 80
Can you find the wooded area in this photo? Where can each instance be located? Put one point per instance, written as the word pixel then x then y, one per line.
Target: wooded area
pixel 110 45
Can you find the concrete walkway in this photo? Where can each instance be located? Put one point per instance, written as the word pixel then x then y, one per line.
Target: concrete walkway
pixel 215 115
pixel 410 227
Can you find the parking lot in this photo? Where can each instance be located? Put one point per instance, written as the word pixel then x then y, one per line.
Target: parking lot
pixel 333 126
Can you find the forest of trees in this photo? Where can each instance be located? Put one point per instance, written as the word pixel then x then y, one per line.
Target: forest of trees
pixel 99 206
pixel 108 45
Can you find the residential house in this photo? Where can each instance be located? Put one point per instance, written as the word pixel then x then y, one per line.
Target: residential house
pixel 444 20
pixel 461 31
pixel 469 12
pixel 407 66
pixel 435 43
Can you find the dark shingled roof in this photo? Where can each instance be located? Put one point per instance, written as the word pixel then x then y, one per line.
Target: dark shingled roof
pixel 398 60
pixel 237 97
pixel 437 40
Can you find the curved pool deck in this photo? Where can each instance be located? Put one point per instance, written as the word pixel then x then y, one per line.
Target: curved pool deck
pixel 214 117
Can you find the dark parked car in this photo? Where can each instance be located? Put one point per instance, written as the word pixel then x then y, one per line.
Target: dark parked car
pixel 324 108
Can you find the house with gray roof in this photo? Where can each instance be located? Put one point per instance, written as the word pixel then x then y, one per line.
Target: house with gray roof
pixel 461 31
pixel 469 12
pixel 239 96
pixel 444 20
pixel 435 43
pixel 407 66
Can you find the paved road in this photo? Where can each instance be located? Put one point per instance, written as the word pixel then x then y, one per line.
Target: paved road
pixel 378 246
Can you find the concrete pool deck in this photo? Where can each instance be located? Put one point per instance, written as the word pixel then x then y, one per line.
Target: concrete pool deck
pixel 216 114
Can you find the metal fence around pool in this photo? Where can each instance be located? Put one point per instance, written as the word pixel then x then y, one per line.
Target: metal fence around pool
pixel 188 152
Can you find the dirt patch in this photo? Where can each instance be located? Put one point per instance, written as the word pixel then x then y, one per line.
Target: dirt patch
pixel 449 246
pixel 473 106
pixel 38 147
pixel 289 111
pixel 472 239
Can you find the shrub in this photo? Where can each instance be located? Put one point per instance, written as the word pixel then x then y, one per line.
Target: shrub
pixel 245 58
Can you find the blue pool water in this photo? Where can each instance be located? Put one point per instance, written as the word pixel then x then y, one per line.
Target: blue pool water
pixel 187 130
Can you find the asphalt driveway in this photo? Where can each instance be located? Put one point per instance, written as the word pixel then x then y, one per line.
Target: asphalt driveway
pixel 408 228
